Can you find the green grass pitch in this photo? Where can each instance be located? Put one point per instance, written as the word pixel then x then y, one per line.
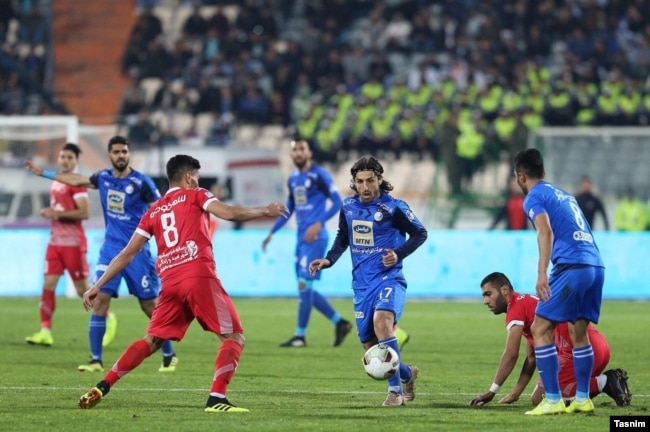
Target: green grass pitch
pixel 457 346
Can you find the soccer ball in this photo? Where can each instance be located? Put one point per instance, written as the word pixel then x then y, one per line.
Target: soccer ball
pixel 380 362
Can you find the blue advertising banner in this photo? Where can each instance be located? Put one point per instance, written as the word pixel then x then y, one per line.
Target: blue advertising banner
pixel 450 264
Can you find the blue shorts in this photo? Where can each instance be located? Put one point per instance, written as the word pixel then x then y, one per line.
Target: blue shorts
pixel 576 293
pixel 389 296
pixel 140 275
pixel 306 253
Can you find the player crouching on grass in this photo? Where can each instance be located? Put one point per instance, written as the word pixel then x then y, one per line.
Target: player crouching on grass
pixel 500 297
pixel 180 222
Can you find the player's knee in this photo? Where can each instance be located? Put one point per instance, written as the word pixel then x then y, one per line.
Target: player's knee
pixel 237 337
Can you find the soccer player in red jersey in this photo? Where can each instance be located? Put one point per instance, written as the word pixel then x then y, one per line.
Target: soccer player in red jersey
pixel 499 296
pixel 66 249
pixel 190 287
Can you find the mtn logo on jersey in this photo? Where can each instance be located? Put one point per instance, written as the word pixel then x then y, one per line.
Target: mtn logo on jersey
pixel 362 234
pixel 115 201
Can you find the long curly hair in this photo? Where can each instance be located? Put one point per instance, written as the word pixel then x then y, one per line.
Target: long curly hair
pixel 369 163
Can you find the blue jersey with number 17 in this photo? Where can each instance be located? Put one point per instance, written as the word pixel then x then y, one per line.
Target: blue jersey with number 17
pixel 573 242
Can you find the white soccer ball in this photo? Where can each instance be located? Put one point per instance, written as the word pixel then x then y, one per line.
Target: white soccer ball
pixel 380 362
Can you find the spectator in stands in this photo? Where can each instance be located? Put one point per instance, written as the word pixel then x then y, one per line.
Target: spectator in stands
pixel 219 131
pixel 148 25
pixel 133 100
pixel 219 21
pixel 13 98
pixel 142 133
pixel 209 98
pixel 7 14
pixel 253 106
pixel 154 61
pixel 590 203
pixel 195 26
pixel 32 27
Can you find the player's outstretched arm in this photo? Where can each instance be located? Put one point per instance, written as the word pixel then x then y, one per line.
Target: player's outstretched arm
pixel 527 371
pixel 72 179
pixel 238 213
pixel 506 365
pixel 116 265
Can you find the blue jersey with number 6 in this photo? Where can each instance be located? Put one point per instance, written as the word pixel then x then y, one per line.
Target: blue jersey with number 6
pixel 573 242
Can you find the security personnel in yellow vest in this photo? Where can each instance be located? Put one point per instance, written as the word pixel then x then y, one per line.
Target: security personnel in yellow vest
pixel 585 112
pixel 469 147
pixel 372 89
pixel 629 104
pixel 531 119
pixel 328 141
pixel 381 133
pixel 607 111
pixel 447 136
pixel 559 109
pixel 630 213
pixel 426 135
pixel 404 138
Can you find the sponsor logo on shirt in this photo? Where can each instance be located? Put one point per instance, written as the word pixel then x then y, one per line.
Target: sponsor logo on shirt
pixel 362 234
pixel 300 195
pixel 115 201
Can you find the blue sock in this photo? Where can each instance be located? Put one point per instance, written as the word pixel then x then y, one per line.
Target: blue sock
pixel 305 304
pixel 583 363
pixel 548 367
pixel 323 306
pixel 394 382
pixel 96 330
pixel 167 349
pixel 404 371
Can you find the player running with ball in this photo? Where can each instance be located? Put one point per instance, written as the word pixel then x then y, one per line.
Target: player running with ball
pixel 374 225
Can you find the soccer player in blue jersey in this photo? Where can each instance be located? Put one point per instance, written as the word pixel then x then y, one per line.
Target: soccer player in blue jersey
pixel 374 225
pixel 310 187
pixel 572 293
pixel 126 195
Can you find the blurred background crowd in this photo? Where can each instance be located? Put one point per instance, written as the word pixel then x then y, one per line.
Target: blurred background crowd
pixel 459 82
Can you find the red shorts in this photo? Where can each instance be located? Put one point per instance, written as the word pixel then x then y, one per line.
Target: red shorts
pixel 566 374
pixel 70 258
pixel 200 298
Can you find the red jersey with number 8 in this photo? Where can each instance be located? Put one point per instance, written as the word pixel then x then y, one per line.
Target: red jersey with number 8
pixel 181 226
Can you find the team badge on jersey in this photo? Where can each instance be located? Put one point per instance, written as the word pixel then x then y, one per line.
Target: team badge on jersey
pixel 362 234
pixel 379 216
pixel 192 249
pixel 115 201
pixel 129 189
pixel 300 195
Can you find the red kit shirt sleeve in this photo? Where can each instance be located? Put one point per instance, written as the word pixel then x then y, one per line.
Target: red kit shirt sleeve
pixel 521 311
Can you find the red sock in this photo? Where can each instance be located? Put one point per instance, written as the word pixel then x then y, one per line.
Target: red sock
pixel 47 306
pixel 225 365
pixel 129 360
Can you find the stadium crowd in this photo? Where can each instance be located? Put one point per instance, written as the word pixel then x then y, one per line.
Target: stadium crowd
pixel 460 81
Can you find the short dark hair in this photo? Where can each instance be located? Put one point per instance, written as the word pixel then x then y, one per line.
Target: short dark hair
pixel 369 163
pixel 295 139
pixel 74 148
pixel 117 139
pixel 530 162
pixel 497 279
pixel 178 165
